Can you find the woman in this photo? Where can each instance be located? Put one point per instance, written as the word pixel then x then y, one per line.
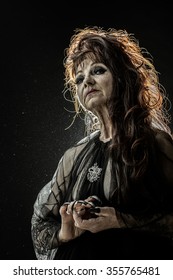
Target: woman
pixel 111 195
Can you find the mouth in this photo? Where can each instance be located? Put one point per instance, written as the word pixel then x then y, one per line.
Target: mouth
pixel 91 92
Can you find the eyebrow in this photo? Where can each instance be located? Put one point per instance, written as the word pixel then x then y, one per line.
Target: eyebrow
pixel 80 71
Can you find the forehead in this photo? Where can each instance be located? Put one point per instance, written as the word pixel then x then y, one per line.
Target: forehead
pixel 86 63
pixel 84 60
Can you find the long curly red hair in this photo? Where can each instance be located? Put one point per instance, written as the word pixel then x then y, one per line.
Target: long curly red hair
pixel 138 103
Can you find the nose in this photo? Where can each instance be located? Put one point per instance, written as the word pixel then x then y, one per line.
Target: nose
pixel 88 80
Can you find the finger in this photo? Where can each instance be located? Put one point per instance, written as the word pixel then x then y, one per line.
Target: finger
pixel 79 207
pixel 103 211
pixel 70 207
pixel 95 210
pixel 85 224
pixel 63 208
pixel 77 219
pixel 67 208
pixel 89 204
pixel 79 222
pixel 95 200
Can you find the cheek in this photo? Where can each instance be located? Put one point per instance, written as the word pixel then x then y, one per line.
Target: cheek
pixel 79 96
pixel 108 86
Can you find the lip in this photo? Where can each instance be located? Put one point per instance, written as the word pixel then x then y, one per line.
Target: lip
pixel 89 91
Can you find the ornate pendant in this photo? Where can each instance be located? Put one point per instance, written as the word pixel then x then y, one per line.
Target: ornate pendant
pixel 94 173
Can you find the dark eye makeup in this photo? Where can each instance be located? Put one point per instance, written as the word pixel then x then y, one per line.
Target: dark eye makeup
pixel 96 70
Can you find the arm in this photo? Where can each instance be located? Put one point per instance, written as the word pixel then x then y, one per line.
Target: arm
pixel 43 229
pixel 46 221
pixel 108 218
pixel 48 215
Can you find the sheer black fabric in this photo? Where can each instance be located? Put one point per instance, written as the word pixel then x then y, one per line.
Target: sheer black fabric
pixel 145 213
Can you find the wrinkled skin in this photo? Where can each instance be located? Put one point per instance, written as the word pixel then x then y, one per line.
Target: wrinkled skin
pixel 79 216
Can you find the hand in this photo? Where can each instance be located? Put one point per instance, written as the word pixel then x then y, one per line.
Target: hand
pixel 68 229
pixel 84 207
pixel 105 219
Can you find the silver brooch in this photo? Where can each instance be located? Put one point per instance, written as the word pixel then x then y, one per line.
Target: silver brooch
pixel 94 173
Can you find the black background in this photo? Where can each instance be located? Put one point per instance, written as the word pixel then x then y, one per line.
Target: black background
pixel 33 115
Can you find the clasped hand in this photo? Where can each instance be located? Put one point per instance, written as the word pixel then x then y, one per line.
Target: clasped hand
pixel 79 216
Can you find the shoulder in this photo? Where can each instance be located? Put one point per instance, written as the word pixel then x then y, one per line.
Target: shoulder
pixel 88 138
pixel 75 150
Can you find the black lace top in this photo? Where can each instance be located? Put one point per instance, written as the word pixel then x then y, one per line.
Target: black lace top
pixel 88 169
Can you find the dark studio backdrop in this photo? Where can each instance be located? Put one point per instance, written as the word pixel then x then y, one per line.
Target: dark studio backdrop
pixel 33 114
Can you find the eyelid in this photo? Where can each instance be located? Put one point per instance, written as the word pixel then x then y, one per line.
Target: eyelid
pixel 98 68
pixel 78 78
pixel 94 68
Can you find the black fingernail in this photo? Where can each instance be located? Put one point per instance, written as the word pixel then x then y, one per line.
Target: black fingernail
pixel 66 203
pixel 94 210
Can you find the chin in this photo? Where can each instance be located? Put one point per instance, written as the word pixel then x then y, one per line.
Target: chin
pixel 94 105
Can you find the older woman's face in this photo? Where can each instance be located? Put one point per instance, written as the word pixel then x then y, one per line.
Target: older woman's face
pixel 94 84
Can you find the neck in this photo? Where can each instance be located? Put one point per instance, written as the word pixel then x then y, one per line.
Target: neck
pixel 105 125
pixel 105 134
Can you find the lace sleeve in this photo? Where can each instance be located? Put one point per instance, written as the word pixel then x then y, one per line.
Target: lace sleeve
pixel 43 230
pixel 45 222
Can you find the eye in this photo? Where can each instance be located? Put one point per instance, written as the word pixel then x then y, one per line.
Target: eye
pixel 98 70
pixel 79 80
